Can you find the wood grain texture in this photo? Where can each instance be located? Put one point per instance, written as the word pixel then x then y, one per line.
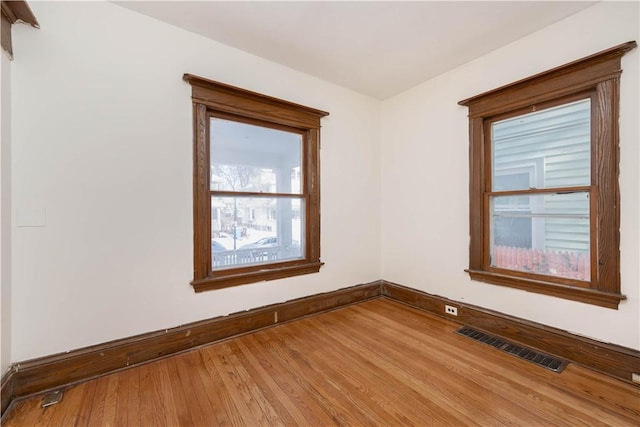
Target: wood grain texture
pixel 201 198
pixel 605 170
pixel 38 375
pixel 610 359
pixel 14 11
pixel 560 81
pixel 234 100
pixel 256 273
pixel 375 363
pixel 62 370
pixel 19 10
pixel 574 293
pixel 7 384
pixel 476 190
pixel 596 77
pixel 215 99
pixel 312 184
pixel 5 34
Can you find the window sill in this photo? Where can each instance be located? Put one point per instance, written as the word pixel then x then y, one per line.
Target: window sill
pixel 574 293
pixel 211 283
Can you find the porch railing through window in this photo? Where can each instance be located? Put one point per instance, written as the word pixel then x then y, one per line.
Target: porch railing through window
pixel 234 258
pixel 574 265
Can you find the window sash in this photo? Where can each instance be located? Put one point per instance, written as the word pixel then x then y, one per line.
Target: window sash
pixel 554 140
pixel 290 242
pixel 256 127
pixel 539 259
pixel 536 188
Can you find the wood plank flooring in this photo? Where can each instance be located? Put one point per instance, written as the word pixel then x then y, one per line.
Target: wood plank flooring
pixel 376 363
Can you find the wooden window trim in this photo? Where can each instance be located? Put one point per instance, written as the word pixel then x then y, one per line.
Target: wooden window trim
pixel 600 74
pixel 12 12
pixel 211 98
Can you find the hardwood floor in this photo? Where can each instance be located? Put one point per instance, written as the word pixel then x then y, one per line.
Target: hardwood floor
pixel 377 363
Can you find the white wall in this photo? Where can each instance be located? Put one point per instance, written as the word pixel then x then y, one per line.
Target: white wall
pixel 102 178
pixel 425 233
pixel 5 212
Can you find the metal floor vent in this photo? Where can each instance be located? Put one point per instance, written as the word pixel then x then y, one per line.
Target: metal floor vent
pixel 546 361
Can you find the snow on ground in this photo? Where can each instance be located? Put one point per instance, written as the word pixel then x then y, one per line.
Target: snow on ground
pixel 252 237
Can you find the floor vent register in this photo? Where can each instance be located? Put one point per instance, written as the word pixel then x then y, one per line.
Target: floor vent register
pixel 545 360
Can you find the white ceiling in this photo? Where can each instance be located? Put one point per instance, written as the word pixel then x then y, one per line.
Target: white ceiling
pixel 376 48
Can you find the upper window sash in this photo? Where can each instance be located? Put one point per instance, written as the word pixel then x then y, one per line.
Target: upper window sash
pixel 261 146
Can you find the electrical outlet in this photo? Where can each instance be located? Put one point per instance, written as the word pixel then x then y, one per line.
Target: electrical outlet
pixel 635 378
pixel 449 309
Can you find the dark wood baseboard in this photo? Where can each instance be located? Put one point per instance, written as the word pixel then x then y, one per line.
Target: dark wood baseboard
pixel 610 359
pixel 64 369
pixel 7 384
pixel 51 372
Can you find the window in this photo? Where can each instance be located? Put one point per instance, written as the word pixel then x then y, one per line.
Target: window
pixel 544 198
pixel 256 186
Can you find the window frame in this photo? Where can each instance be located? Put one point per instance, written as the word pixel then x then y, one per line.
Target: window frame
pixel 215 99
pixel 599 74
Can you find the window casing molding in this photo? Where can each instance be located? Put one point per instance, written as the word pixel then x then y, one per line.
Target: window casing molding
pixel 214 99
pixel 596 76
pixel 14 11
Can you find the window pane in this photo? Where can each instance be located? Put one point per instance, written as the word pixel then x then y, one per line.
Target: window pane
pixel 254 158
pixel 551 147
pixel 542 234
pixel 256 230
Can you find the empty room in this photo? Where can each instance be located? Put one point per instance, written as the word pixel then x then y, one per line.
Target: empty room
pixel 320 213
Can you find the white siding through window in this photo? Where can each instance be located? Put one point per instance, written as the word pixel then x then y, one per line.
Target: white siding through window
pixel 558 140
